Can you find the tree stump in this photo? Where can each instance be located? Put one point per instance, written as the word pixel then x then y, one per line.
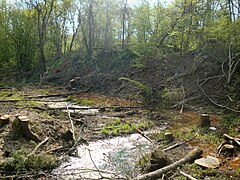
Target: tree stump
pixel 168 136
pixel 205 121
pixel 4 120
pixel 20 127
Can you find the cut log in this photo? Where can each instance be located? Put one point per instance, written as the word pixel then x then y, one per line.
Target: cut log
pixel 21 128
pixel 194 154
pixel 4 120
pixel 205 121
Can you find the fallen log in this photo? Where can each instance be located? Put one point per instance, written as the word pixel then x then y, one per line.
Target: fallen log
pixel 194 154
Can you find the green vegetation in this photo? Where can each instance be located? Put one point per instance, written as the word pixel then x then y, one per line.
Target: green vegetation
pixel 87 102
pixel 72 99
pixel 19 162
pixel 44 91
pixel 118 127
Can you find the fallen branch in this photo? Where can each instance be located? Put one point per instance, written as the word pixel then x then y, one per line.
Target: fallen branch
pixel 235 140
pixel 51 95
pixel 143 135
pixel 74 147
pixel 216 104
pixel 186 100
pixel 194 154
pixel 187 175
pixel 98 170
pixel 139 132
pixel 38 146
pixel 180 143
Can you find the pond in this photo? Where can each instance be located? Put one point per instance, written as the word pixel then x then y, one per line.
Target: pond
pixel 107 158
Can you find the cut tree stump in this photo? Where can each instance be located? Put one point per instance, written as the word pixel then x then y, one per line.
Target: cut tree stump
pixel 169 137
pixel 205 121
pixel 20 127
pixel 4 120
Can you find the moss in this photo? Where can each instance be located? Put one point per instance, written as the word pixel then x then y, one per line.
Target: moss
pixel 72 99
pixel 44 91
pixel 87 102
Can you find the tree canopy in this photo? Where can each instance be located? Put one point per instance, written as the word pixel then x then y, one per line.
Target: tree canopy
pixel 35 34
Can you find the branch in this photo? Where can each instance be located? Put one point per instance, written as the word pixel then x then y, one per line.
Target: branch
pixel 187 175
pixel 216 104
pixel 38 146
pixel 181 143
pixel 73 148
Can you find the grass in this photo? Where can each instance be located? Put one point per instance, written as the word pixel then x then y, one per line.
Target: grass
pixel 118 127
pixel 87 102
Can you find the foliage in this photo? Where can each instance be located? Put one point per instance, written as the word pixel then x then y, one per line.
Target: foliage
pixel 87 102
pixel 119 127
pixel 19 162
pixel 72 99
pixel 146 91
pixel 230 121
pixel 35 35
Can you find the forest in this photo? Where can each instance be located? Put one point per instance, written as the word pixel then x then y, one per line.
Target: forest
pixel 78 72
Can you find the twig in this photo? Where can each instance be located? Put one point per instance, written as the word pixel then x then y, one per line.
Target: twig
pixel 187 175
pixel 38 146
pixel 94 163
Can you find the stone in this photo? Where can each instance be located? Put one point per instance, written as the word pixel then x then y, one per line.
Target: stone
pixel 208 162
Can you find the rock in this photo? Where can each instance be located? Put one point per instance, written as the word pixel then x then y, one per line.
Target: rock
pixel 212 128
pixel 208 162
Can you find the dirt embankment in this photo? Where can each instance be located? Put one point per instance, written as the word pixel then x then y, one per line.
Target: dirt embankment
pixel 174 79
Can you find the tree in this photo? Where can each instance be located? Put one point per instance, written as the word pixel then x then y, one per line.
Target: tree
pixel 44 10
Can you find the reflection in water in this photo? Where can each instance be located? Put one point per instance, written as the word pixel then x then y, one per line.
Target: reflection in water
pixel 116 156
